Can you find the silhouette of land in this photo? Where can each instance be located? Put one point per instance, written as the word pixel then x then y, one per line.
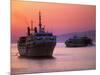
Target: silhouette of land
pixel 91 34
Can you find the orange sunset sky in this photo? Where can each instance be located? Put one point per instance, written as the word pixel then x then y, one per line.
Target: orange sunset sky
pixel 57 18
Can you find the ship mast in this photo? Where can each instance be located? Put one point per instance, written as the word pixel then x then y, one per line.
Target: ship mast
pixel 41 29
pixel 31 25
pixel 40 24
pixel 31 29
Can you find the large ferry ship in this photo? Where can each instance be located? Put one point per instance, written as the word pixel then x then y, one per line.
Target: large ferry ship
pixel 38 42
pixel 78 42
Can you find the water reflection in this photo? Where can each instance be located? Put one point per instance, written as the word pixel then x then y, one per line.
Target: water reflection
pixel 64 59
pixel 37 58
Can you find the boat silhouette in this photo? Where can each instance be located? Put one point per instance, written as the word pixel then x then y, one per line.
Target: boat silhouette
pixel 37 43
pixel 78 42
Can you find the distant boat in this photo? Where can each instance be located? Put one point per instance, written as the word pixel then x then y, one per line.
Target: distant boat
pixel 37 42
pixel 78 42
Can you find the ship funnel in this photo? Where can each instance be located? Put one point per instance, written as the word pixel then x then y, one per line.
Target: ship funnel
pixel 28 31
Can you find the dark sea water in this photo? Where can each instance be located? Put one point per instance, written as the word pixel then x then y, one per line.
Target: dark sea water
pixel 64 59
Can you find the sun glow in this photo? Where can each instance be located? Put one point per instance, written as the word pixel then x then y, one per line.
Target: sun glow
pixel 57 18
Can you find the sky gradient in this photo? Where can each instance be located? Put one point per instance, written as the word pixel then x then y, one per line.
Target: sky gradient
pixel 57 18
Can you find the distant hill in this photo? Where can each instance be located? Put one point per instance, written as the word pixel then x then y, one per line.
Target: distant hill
pixel 91 34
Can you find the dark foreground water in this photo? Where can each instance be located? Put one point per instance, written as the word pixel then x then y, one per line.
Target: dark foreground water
pixel 64 59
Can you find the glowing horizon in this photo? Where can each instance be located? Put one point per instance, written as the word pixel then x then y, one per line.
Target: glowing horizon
pixel 57 18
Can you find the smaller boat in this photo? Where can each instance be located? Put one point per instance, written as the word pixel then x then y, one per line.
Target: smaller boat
pixel 78 42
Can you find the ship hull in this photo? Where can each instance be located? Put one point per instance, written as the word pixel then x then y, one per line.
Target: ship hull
pixel 37 50
pixel 75 45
